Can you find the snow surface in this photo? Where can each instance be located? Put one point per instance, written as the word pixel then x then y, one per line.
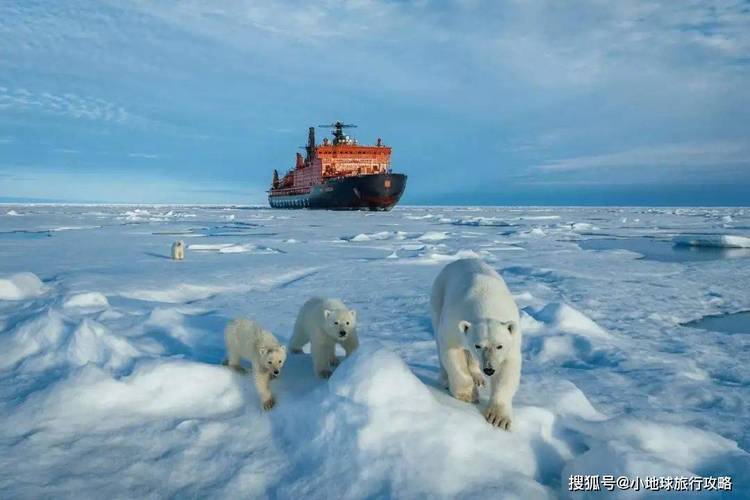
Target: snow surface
pixel 111 383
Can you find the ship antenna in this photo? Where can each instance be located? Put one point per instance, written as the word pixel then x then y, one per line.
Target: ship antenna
pixel 338 131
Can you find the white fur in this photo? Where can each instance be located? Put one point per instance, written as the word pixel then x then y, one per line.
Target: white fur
pixel 473 313
pixel 246 339
pixel 178 250
pixel 321 322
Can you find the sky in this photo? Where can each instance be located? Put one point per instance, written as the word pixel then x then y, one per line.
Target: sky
pixel 524 102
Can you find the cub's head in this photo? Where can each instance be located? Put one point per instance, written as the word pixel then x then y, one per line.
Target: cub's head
pixel 490 341
pixel 340 323
pixel 179 244
pixel 272 359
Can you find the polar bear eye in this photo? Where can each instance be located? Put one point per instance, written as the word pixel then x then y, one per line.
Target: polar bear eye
pixel 499 347
pixel 347 322
pixel 335 322
pixel 478 346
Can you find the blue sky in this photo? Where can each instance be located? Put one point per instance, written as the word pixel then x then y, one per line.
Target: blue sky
pixel 492 102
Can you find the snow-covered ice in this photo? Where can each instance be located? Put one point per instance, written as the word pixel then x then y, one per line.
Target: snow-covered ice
pixel 111 383
pixel 713 240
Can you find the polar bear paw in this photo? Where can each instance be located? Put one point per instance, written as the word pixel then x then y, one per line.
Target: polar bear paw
pixel 335 361
pixel 478 380
pixel 470 395
pixel 498 416
pixel 269 403
pixel 325 373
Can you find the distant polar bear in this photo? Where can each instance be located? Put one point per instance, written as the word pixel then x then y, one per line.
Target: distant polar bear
pixel 178 250
pixel 324 323
pixel 246 339
pixel 474 317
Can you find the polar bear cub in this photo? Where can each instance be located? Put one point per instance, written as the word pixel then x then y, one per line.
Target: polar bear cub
pixel 178 250
pixel 476 325
pixel 325 323
pixel 246 339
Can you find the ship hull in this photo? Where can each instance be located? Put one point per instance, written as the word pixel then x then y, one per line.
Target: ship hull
pixel 362 192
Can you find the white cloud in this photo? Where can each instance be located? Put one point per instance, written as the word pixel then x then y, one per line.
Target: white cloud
pixel 68 104
pixel 711 154
pixel 144 155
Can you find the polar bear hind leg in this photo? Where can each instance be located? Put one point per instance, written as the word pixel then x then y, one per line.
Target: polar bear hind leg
pixel 300 337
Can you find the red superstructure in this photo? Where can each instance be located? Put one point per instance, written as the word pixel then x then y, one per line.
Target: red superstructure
pixel 342 157
pixel 340 175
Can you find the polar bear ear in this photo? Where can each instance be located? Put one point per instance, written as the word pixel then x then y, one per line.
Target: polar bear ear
pixel 464 326
pixel 327 313
pixel 512 328
pixel 283 348
pixel 354 314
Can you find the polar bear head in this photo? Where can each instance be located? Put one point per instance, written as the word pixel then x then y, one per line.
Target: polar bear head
pixel 490 341
pixel 340 324
pixel 272 359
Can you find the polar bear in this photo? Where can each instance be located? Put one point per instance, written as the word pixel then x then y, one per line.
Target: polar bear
pixel 178 250
pixel 325 323
pixel 476 325
pixel 246 339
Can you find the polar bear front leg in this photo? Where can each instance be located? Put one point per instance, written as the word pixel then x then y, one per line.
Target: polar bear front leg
pixel 323 350
pixel 460 383
pixel 350 344
pixel 264 391
pixel 505 383
pixel 474 369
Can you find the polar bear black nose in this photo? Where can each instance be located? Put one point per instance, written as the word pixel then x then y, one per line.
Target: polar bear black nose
pixel 342 333
pixel 489 371
pixel 276 372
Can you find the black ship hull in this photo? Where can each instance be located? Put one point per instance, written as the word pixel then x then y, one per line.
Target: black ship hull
pixel 362 192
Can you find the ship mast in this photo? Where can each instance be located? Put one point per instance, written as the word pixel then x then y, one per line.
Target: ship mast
pixel 310 148
pixel 338 132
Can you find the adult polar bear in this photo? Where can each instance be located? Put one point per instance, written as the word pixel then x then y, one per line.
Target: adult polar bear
pixel 475 318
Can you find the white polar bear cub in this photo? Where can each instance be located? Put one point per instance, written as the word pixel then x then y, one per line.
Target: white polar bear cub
pixel 178 250
pixel 474 317
pixel 324 323
pixel 247 340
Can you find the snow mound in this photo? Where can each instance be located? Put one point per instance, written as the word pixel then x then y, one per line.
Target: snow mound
pixel 21 286
pixel 91 400
pixel 13 213
pixel 432 257
pixel 433 236
pixel 565 318
pixel 476 221
pixel 627 446
pixel 175 294
pixel 232 248
pixel 376 411
pixel 561 335
pixel 88 300
pixel 379 236
pixel 93 343
pixel 713 240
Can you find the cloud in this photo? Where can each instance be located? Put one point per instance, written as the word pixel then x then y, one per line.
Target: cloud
pixel 68 104
pixel 143 155
pixel 716 155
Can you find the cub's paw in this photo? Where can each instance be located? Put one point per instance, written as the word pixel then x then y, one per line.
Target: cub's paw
pixel 335 362
pixel 296 350
pixel 325 373
pixel 478 380
pixel 498 416
pixel 269 403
